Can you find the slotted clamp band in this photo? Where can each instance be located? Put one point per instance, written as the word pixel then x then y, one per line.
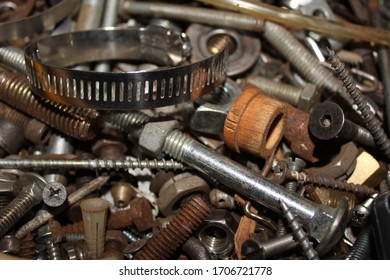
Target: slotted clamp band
pixel 47 62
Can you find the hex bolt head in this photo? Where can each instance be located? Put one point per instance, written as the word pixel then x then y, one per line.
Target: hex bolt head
pixel 153 136
pixel 309 97
pixel 54 194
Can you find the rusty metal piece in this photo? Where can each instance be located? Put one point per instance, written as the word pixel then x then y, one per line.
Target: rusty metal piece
pixel 159 180
pixel 310 190
pixel 164 244
pixel 141 213
pixel 114 245
pixel 120 219
pixel 33 130
pixel 76 122
pixel 297 135
pixel 73 228
pixel 109 149
pixel 179 187
pixel 27 248
pixel 122 193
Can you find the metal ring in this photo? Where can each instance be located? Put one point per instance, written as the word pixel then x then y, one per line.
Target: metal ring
pixel 47 59
pixel 28 26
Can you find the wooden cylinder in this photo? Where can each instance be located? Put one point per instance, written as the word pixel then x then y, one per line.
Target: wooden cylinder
pixel 255 123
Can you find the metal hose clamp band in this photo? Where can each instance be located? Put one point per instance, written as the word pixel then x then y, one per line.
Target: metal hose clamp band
pixel 19 28
pixel 47 59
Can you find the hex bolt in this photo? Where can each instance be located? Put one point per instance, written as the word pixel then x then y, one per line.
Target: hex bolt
pixel 303 98
pixel 163 244
pixel 54 194
pixel 327 121
pixel 30 196
pixel 325 224
pixel 372 123
pixel 299 233
pixel 76 122
pixel 33 130
pixel 253 249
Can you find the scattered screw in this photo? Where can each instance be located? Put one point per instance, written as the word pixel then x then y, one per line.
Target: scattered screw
pixel 54 194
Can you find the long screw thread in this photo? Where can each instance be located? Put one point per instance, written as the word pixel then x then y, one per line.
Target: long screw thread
pixel 76 122
pixel 284 92
pixel 16 209
pixel 4 201
pixel 281 227
pixel 300 57
pixel 298 232
pixel 165 243
pixel 322 181
pixel 13 116
pixel 129 122
pixel 97 164
pixel 175 144
pixel 372 123
pixel 13 57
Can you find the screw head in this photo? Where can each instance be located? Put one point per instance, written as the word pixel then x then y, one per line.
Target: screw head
pixel 54 194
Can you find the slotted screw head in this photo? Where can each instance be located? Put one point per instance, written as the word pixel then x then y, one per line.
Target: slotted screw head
pixel 54 194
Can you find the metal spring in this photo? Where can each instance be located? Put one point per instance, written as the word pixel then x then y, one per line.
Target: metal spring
pixel 372 123
pixel 163 244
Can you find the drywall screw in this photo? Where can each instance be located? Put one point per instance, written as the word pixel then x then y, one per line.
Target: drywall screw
pixel 298 165
pixel 303 98
pixel 54 194
pixel 326 224
pixel 327 121
pixel 44 216
pixel 30 196
pixel 164 243
pixel 253 249
pixel 94 164
pixel 76 122
pixel 304 178
pixel 13 57
pixel 299 233
pixel 33 130
pixel 130 122
pixel 372 123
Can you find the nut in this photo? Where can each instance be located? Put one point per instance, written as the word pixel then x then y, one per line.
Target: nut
pixel 179 187
pixel 217 232
pixel 153 136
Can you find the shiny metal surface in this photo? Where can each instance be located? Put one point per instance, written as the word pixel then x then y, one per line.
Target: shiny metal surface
pixel 48 58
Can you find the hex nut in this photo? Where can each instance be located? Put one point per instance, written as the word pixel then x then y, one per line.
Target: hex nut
pixel 309 97
pixel 153 136
pixel 217 232
pixel 179 187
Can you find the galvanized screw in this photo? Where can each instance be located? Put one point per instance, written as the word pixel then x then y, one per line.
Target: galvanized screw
pixel 45 236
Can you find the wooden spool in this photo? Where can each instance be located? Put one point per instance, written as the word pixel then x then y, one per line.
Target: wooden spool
pixel 255 123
